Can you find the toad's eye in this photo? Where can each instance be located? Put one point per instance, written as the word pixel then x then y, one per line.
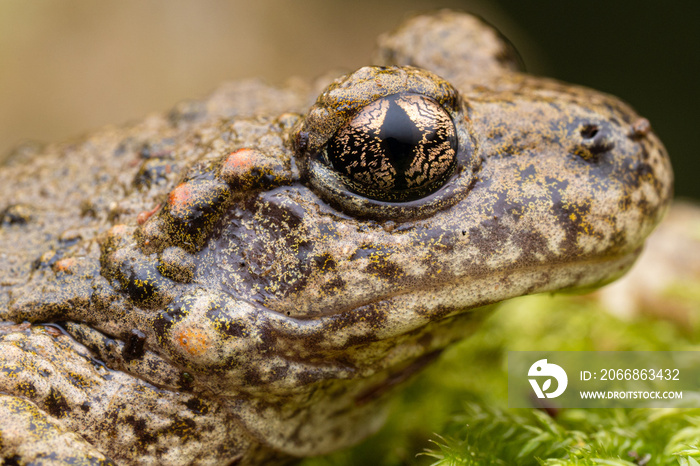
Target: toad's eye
pixel 398 148
pixel 388 143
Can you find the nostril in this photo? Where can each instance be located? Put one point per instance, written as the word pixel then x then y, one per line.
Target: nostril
pixel 589 131
pixel 596 138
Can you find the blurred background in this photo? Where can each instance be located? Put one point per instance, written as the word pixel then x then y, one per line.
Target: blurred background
pixel 68 66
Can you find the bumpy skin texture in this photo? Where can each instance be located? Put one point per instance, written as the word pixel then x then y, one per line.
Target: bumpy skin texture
pixel 222 298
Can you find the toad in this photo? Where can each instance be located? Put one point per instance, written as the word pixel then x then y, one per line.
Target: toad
pixel 248 278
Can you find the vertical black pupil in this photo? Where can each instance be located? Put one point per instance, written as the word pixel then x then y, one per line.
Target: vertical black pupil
pixel 399 137
pixel 398 147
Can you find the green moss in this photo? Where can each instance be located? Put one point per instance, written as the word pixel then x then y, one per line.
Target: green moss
pixel 463 397
pixel 575 437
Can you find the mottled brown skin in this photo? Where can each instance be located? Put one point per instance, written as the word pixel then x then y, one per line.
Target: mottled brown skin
pixel 221 298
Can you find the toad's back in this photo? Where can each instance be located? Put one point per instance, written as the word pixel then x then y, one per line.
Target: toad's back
pixel 242 281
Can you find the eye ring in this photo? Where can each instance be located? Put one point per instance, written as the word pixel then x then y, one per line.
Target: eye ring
pixel 331 188
pixel 358 172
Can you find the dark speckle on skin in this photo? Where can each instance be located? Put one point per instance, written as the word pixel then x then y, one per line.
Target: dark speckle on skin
pixel 15 214
pixel 140 429
pixel 134 345
pixel 143 282
pixel 334 285
pixel 197 405
pixel 27 389
pixel 325 262
pixel 56 404
pixel 224 323
pixel 173 313
pixel 153 171
pixel 382 267
pixel 14 460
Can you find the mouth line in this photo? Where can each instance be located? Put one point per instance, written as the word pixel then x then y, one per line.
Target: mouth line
pixel 617 265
